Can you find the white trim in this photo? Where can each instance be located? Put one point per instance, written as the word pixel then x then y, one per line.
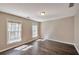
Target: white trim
pixel 61 41
pixel 14 41
pixel 35 26
pixel 14 46
pixel 76 48
pixel 16 21
pixel 66 43
pixel 75 36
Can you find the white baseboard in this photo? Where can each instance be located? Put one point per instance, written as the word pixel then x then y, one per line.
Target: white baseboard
pixel 76 48
pixel 8 48
pixel 14 46
pixel 61 41
pixel 67 43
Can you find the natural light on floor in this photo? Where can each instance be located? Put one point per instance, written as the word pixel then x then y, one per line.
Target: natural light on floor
pixel 23 47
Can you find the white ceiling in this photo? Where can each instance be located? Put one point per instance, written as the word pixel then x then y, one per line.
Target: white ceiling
pixel 33 10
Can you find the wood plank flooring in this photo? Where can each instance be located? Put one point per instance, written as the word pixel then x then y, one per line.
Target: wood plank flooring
pixel 39 47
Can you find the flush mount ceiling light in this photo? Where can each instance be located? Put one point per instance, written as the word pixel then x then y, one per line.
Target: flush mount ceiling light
pixel 42 13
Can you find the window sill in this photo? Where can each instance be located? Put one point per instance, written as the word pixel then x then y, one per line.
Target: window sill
pixel 15 41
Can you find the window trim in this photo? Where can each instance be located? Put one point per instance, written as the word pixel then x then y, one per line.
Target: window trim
pixel 15 41
pixel 33 36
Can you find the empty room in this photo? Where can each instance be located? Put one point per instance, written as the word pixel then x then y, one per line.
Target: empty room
pixel 39 28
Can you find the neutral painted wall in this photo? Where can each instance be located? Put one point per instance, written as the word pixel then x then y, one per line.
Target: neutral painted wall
pixel 76 31
pixel 59 30
pixel 26 30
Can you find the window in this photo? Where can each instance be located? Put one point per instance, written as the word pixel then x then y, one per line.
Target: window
pixel 34 30
pixel 14 31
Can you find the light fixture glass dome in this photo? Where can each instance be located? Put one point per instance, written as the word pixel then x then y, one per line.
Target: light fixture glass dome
pixel 42 13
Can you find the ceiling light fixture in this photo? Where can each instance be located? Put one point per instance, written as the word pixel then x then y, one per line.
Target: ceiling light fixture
pixel 42 13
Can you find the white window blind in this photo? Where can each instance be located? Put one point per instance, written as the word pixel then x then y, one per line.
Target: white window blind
pixel 14 31
pixel 34 30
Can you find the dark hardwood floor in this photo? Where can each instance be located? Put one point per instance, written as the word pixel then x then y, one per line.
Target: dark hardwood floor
pixel 39 47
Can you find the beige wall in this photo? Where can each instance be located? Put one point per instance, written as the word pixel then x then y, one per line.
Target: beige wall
pixel 26 30
pixel 76 31
pixel 59 30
